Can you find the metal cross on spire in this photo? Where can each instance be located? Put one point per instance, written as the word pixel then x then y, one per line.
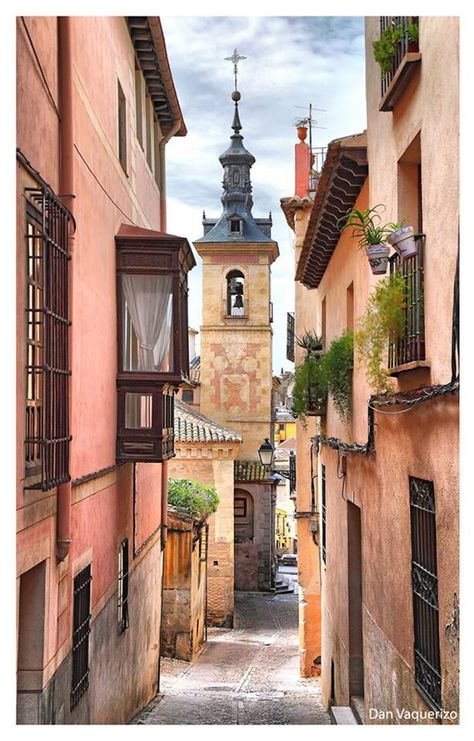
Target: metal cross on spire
pixel 235 58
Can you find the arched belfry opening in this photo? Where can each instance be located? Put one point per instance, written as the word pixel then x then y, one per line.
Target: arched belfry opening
pixel 235 293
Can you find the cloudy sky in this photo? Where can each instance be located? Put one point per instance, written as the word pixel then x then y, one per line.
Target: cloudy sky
pixel 291 62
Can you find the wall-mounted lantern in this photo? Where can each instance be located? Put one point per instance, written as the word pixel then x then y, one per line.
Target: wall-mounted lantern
pixel 152 331
pixel 265 453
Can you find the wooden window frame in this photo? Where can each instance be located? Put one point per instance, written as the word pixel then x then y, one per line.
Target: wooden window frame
pixel 144 252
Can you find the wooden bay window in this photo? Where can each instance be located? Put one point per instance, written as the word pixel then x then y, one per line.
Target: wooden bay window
pixel 152 296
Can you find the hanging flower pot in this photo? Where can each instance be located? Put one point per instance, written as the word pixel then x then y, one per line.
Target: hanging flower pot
pixel 378 257
pixel 403 241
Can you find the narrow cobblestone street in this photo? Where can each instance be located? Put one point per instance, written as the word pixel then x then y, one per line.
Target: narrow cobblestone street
pixel 245 676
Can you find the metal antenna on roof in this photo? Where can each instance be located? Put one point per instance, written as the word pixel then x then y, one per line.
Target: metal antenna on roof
pixel 310 122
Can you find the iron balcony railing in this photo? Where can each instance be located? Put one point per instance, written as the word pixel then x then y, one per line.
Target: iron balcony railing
pixel 403 46
pixel 290 336
pixel 318 155
pixel 410 345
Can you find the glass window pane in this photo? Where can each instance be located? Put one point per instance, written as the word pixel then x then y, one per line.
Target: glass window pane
pixel 138 411
pixel 147 305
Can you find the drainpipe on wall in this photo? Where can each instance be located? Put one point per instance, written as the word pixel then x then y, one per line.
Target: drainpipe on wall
pixel 161 149
pixel 164 504
pixel 66 192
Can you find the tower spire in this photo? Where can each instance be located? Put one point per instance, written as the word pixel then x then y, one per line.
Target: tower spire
pixel 236 223
pixel 235 59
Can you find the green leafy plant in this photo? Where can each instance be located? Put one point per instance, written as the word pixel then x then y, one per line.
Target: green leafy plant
pixel 386 46
pixel 310 341
pixel 309 389
pixel 192 498
pixel 383 320
pixel 413 32
pixel 337 367
pixel 366 226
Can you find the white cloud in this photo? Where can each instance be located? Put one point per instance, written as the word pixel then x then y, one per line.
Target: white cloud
pixel 291 61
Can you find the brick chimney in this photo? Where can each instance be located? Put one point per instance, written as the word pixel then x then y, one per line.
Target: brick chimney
pixel 302 163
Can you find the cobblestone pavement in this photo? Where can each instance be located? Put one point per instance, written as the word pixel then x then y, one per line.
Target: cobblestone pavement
pixel 248 675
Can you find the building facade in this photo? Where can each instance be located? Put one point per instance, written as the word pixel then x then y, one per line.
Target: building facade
pixel 297 209
pixel 237 251
pixel 388 477
pixel 92 443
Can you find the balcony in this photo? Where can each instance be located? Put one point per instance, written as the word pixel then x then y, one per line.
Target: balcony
pixel 405 60
pixel 408 351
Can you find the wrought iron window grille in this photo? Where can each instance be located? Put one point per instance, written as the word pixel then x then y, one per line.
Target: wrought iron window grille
pixel 123 586
pixel 290 336
pixel 410 346
pixel 323 514
pixel 80 635
pixel 425 590
pixel 47 327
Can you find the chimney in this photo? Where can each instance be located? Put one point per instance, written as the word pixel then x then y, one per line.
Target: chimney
pixel 302 163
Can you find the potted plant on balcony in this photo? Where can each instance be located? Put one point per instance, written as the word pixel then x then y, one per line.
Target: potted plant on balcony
pixel 337 368
pixel 402 239
pixel 383 321
pixel 386 46
pixel 309 390
pixel 370 234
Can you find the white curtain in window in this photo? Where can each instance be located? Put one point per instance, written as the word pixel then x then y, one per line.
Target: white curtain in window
pixel 148 299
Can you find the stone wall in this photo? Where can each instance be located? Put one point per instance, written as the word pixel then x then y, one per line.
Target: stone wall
pixel 184 590
pixel 115 659
pixel 253 560
pixel 213 464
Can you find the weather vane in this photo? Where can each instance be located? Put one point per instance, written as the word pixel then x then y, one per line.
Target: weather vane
pixel 235 58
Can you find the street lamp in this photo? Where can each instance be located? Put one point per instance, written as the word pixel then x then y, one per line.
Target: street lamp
pixel 265 453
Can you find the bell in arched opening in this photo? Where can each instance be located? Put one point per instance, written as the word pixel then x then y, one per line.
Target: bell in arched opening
pixel 235 293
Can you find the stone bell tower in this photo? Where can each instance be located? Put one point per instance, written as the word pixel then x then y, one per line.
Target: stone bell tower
pixel 236 336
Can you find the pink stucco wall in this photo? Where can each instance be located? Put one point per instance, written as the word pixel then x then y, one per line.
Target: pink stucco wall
pixel 102 510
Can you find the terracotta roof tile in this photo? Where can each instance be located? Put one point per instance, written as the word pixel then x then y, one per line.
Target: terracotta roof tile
pixel 191 426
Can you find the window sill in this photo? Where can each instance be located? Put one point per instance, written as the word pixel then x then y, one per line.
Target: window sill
pixel 402 77
pixel 399 370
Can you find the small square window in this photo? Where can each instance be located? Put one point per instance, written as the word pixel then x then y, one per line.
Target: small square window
pixel 138 411
pixel 188 396
pixel 236 225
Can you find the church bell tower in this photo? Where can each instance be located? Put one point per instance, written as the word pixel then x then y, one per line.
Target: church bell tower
pixel 237 251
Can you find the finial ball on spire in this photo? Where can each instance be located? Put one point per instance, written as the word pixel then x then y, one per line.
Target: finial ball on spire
pixel 236 95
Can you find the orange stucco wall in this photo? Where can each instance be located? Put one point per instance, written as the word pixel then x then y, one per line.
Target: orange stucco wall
pixel 306 317
pixel 422 442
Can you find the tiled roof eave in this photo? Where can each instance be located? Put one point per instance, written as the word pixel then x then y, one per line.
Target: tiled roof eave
pixel 344 173
pixel 193 427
